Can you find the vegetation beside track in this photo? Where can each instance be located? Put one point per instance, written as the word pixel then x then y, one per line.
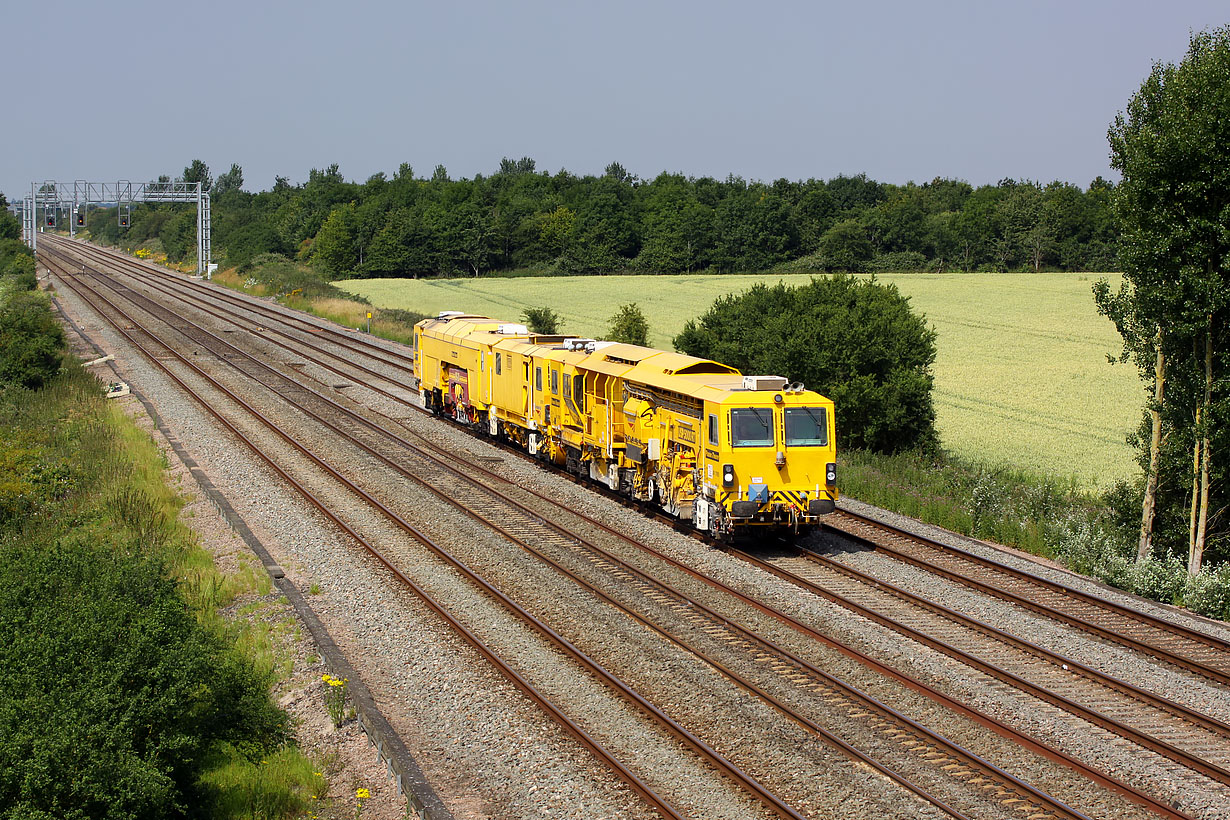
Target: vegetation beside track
pixel 1088 532
pixel 1054 512
pixel 125 694
pixel 301 288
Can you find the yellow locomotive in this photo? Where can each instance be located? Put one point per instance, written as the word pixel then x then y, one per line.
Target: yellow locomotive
pixel 727 452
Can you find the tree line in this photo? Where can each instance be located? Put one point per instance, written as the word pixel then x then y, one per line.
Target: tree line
pixel 521 218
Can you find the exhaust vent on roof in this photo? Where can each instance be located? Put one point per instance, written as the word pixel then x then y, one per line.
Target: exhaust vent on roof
pixel 448 314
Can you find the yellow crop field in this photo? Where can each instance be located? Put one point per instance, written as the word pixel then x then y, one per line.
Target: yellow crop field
pixel 1021 376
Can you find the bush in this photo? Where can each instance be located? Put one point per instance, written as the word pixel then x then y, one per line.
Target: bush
pixel 845 246
pixel 10 226
pixel 30 340
pixel 281 276
pixel 541 320
pixel 902 261
pixel 110 678
pixel 15 257
pixel 21 275
pixel 855 341
pixel 406 317
pixel 628 325
pixel 119 697
pixel 1209 593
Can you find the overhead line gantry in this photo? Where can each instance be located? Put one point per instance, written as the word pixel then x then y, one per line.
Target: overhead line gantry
pixel 52 196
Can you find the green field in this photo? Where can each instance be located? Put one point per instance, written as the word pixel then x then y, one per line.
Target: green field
pixel 1021 377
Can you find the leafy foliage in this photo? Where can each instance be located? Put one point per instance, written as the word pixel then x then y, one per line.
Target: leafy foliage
pixel 1173 147
pixel 853 340
pixel 519 217
pixel 628 325
pixel 112 679
pixel 30 337
pixel 10 225
pixel 118 696
pixel 232 180
pixel 1091 534
pixel 198 171
pixel 541 320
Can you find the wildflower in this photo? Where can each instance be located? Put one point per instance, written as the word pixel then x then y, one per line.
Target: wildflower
pixel 335 698
pixel 362 794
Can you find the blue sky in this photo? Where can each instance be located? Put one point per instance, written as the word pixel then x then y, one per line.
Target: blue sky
pixel 897 90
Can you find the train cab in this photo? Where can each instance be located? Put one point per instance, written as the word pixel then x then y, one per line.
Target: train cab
pixel 770 456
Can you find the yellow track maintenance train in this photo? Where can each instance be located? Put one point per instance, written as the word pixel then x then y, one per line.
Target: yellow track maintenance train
pixel 727 452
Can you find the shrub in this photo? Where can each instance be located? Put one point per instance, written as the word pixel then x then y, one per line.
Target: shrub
pixel 855 341
pixel 30 340
pixel 10 227
pixel 541 320
pixel 628 325
pixel 908 261
pixel 111 678
pixel 406 317
pixel 1209 593
pixel 846 246
pixel 1161 579
pixel 120 695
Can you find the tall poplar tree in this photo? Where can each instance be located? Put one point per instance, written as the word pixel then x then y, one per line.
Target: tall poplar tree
pixel 1172 146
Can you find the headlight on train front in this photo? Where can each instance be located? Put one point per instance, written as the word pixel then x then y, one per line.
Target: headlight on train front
pixel 728 475
pixel 830 474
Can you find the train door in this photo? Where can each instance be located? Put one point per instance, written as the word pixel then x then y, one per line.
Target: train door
pixel 525 387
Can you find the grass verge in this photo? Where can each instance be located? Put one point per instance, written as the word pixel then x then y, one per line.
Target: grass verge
pixel 301 288
pixel 1090 533
pixel 124 673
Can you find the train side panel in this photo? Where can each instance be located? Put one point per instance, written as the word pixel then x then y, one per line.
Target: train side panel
pixel 729 453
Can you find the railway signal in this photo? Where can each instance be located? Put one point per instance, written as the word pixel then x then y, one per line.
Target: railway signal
pixel 76 198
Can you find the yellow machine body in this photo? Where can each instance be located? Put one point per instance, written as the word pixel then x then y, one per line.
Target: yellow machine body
pixel 727 452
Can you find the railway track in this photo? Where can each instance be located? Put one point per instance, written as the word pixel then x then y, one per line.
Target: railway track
pixel 128 327
pixel 1171 729
pixel 1172 642
pixel 795 670
pixel 908 738
pixel 1168 641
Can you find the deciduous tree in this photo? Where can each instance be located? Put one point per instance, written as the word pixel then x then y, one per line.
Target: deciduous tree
pixel 198 171
pixel 541 320
pixel 853 340
pixel 628 325
pixel 1172 146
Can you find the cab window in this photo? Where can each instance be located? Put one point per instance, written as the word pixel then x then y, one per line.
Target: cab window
pixel 555 382
pixel 806 427
pixel 538 378
pixel 497 364
pixel 751 427
pixel 713 430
